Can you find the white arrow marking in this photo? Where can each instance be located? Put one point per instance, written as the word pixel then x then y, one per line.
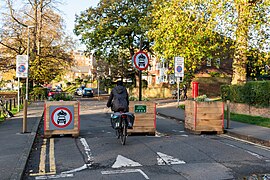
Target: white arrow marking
pixel 163 159
pixel 122 161
pixel 125 171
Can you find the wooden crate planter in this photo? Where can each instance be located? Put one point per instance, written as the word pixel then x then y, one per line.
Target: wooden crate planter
pixel 145 122
pixel 61 117
pixel 204 116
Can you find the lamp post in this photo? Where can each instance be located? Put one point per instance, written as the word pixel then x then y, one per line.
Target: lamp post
pixel 28 52
pixel 25 103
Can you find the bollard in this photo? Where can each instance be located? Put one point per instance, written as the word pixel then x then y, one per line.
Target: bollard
pixel 228 113
pixel 25 116
pixel 10 104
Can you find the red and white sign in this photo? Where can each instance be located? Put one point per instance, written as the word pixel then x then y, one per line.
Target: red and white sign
pixel 141 60
pixel 61 117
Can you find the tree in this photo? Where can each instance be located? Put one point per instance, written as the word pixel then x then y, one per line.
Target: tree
pixel 186 28
pixel 113 30
pixel 199 29
pixel 252 32
pixel 48 43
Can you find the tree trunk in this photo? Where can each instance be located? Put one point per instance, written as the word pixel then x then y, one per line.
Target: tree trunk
pixel 241 43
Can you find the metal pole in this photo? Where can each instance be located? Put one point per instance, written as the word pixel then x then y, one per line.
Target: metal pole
pixel 98 86
pixel 18 95
pixel 140 85
pixel 178 95
pixel 28 50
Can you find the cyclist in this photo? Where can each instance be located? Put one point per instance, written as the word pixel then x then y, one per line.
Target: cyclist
pixel 118 100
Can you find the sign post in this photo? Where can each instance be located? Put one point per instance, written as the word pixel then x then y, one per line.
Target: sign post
pixel 178 73
pixel 141 62
pixel 22 72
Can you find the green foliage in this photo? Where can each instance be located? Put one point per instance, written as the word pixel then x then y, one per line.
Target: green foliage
pixel 253 93
pixel 62 96
pixel 114 30
pixel 185 28
pixel 201 98
pixel 39 92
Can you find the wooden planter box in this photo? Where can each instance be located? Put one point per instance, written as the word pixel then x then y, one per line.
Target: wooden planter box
pixel 204 116
pixel 61 117
pixel 145 117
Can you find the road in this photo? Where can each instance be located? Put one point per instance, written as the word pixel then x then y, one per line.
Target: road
pixel 172 154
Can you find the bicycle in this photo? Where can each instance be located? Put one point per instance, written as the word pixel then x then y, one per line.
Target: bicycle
pixel 121 123
pixel 6 113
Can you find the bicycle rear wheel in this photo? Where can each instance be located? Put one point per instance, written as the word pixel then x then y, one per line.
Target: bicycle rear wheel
pixel 123 135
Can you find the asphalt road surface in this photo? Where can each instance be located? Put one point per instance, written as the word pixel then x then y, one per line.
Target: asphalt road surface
pixel 172 154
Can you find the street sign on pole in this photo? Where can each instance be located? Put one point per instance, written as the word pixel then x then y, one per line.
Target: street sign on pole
pixel 141 60
pixel 22 66
pixel 179 67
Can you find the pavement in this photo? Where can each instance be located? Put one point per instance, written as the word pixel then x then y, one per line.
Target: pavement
pixel 16 146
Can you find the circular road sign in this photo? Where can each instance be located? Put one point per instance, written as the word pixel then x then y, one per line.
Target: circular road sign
pixel 21 68
pixel 179 69
pixel 61 117
pixel 141 60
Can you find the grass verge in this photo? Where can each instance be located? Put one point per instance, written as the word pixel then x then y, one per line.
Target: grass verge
pixel 255 120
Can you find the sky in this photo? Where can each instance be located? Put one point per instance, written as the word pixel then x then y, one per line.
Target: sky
pixel 72 7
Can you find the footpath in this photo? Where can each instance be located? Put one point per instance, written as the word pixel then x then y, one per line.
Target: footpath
pixel 16 146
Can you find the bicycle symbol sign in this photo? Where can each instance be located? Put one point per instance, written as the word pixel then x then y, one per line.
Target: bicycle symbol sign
pixel 61 117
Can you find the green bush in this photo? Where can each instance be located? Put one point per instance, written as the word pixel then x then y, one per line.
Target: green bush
pixel 254 93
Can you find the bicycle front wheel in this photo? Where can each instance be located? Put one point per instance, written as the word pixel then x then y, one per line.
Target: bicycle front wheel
pixel 123 136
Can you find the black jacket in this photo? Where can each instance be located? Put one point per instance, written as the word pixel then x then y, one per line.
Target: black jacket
pixel 118 100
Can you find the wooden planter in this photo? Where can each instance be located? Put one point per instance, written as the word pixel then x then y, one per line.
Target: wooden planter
pixel 204 116
pixel 61 117
pixel 145 117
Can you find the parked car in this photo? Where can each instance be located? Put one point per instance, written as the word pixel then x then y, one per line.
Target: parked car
pixel 52 92
pixel 78 91
pixel 87 92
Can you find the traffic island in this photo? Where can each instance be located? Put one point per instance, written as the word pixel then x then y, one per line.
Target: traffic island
pixel 61 117
pixel 145 117
pixel 204 116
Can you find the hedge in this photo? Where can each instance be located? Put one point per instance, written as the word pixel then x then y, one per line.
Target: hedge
pixel 255 93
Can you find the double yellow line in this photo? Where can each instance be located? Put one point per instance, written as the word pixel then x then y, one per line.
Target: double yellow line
pixel 42 162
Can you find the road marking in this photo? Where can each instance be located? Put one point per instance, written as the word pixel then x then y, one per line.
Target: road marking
pixel 85 166
pixel 90 158
pixel 258 145
pixel 254 154
pixel 125 171
pixel 42 159
pixel 55 176
pixel 52 158
pixel 164 159
pixel 122 161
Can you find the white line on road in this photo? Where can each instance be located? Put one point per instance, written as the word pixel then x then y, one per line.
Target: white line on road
pixel 87 150
pixel 125 171
pixel 258 145
pixel 122 161
pixel 55 176
pixel 163 159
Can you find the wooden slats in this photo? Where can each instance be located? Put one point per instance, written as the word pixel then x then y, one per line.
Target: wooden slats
pixel 74 132
pixel 204 116
pixel 144 122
